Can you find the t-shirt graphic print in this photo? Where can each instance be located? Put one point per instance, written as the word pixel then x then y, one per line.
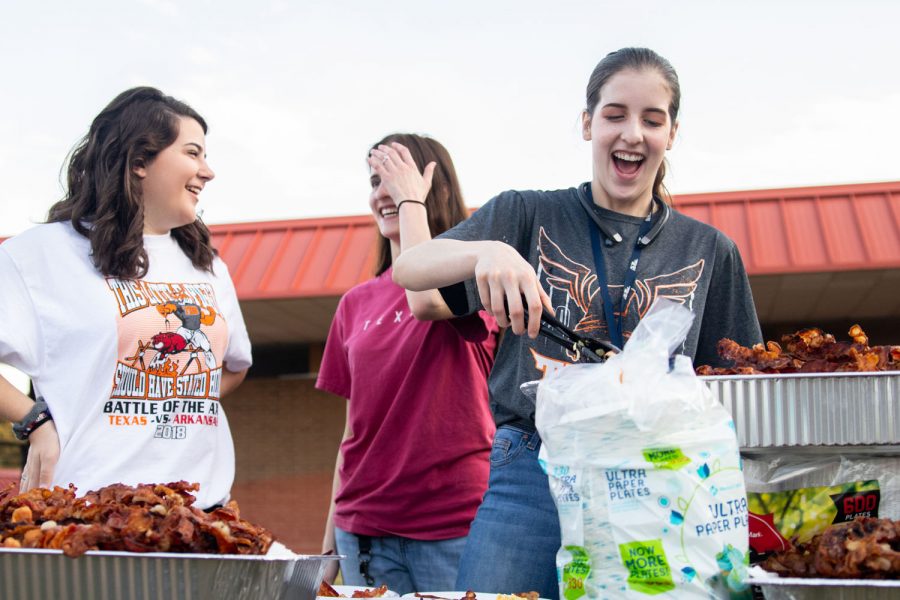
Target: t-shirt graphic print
pixel 172 337
pixel 573 289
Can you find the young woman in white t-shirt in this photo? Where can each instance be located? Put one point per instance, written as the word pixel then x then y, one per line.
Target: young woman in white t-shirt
pixel 126 235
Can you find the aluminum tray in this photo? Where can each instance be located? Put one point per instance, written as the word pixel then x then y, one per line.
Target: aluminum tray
pixel 789 588
pixel 772 412
pixel 39 574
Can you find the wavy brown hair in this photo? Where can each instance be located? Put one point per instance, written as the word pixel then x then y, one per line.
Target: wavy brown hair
pixel 637 59
pixel 103 199
pixel 444 202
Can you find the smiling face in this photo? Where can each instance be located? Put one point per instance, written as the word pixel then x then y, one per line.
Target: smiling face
pixel 384 210
pixel 172 181
pixel 630 131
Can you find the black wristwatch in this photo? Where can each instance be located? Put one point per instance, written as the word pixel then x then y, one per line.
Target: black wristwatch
pixel 37 416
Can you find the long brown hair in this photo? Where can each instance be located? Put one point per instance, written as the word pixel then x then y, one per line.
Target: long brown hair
pixel 103 199
pixel 637 59
pixel 444 202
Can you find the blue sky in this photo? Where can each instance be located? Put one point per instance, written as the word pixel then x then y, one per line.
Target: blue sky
pixel 775 94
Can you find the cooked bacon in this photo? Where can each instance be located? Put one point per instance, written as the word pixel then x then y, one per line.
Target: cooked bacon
pixel 327 591
pixel 865 548
pixel 371 593
pixel 7 491
pixel 806 351
pixel 143 518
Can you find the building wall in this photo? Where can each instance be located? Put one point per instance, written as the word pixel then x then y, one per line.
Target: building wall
pixel 286 435
pixel 10 447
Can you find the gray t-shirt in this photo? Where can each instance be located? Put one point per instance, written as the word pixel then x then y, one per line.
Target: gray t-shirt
pixel 688 261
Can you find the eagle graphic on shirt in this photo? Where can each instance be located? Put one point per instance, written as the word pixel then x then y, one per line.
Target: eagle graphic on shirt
pixel 579 286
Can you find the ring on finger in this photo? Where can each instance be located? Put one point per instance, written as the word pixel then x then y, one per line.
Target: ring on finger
pixel 385 159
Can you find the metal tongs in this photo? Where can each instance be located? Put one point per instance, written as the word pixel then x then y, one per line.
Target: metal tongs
pixel 586 348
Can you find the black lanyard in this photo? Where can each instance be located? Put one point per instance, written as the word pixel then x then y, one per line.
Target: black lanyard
pixel 615 324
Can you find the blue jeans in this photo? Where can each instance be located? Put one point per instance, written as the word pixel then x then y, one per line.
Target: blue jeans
pixel 513 541
pixel 404 564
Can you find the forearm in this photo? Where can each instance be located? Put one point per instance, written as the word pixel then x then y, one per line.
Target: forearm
pixel 14 405
pixel 231 380
pixel 328 541
pixel 43 442
pixel 426 305
pixel 437 263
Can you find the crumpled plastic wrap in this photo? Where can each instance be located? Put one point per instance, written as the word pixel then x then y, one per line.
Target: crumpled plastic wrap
pixel 645 472
pixel 789 472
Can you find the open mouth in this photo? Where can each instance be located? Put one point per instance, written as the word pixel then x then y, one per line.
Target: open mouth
pixel 389 211
pixel 194 189
pixel 627 163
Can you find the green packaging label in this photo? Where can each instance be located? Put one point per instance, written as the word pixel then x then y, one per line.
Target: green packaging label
pixel 648 568
pixel 666 458
pixel 576 572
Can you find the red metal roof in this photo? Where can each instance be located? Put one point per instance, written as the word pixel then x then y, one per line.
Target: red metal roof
pixel 298 258
pixel 812 229
pixel 778 231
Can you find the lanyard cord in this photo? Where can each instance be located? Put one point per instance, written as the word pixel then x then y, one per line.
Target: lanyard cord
pixel 615 324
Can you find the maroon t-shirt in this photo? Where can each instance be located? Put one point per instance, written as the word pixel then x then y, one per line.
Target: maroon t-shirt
pixel 417 463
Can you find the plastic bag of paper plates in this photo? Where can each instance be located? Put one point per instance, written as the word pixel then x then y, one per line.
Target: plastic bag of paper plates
pixel 645 471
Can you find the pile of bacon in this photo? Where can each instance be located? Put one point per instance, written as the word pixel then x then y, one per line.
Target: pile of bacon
pixel 865 548
pixel 806 351
pixel 145 518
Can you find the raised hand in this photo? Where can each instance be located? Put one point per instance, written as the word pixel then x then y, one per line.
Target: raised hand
pixel 398 172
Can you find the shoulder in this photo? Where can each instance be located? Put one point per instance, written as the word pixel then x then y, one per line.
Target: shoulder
pixel 43 238
pixel 698 229
pixel 528 204
pixel 41 234
pixel 219 268
pixel 535 197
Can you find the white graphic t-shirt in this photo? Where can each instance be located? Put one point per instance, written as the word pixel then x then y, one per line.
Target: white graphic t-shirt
pixel 131 369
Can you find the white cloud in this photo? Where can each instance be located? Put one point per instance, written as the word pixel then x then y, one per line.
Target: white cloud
pixel 167 8
pixel 202 56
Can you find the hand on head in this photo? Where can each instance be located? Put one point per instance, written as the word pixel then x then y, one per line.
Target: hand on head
pixel 398 172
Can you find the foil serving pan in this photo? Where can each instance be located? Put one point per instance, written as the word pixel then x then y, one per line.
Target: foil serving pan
pixel 846 410
pixel 27 574
pixel 789 588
